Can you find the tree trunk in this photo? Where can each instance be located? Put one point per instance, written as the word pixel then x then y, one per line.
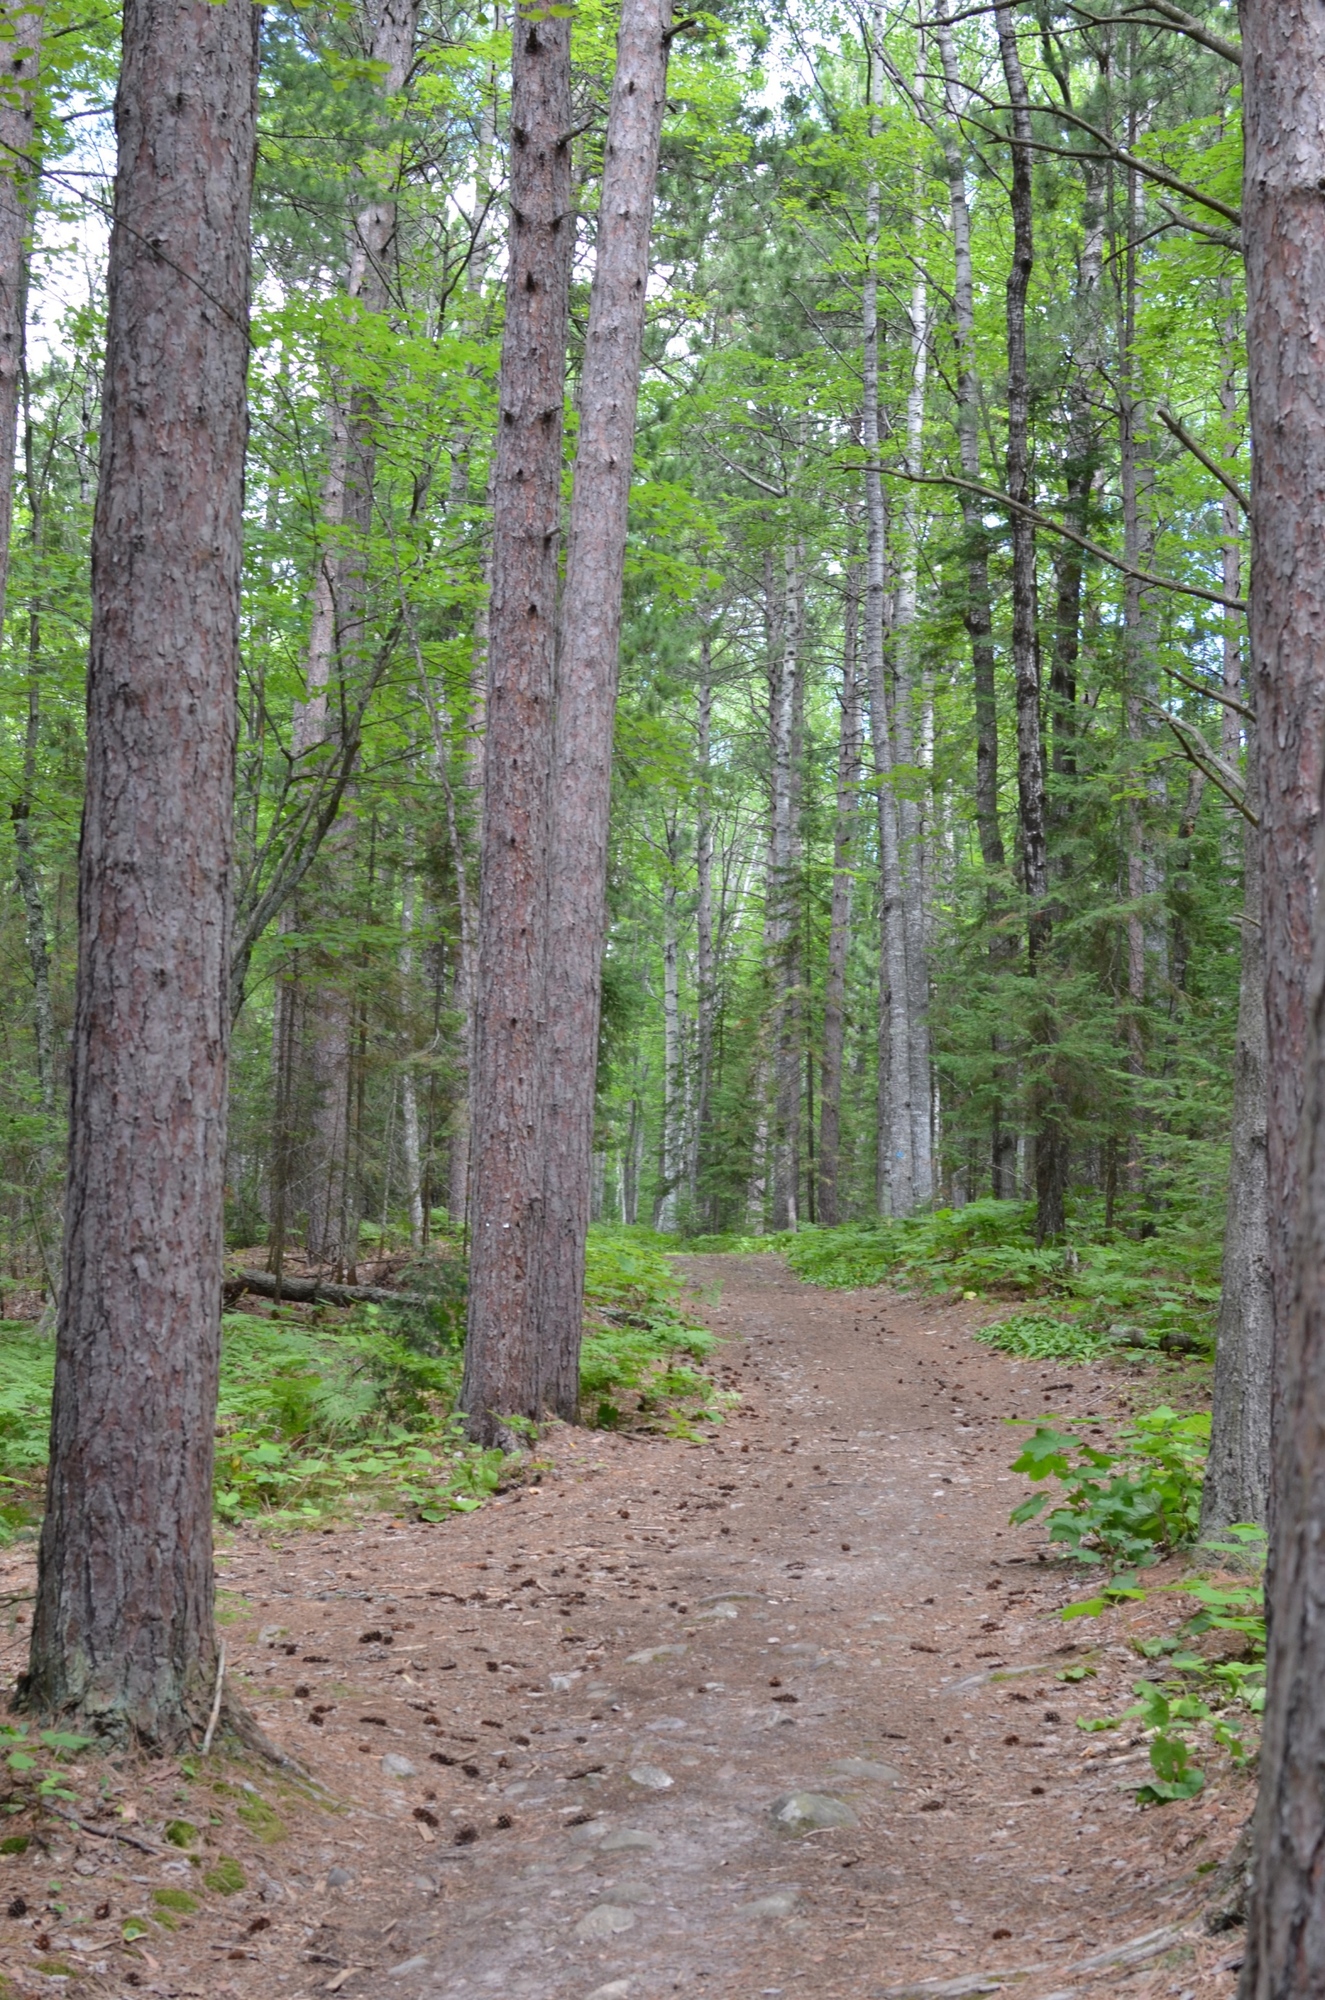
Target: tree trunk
pixel 1050 1128
pixel 669 1138
pixel 25 853
pixel 845 831
pixel 409 1094
pixel 123 1636
pixel 894 1176
pixel 1237 1472
pixel 503 1353
pixel 910 755
pixel 587 677
pixel 781 928
pixel 18 186
pixel 705 982
pixel 1283 70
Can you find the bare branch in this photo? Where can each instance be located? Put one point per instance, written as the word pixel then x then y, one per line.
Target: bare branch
pixel 1212 465
pixel 1197 751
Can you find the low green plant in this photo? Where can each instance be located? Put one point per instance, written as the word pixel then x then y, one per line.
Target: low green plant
pixel 36 1761
pixel 1127 1506
pixel 638 1358
pixel 1036 1337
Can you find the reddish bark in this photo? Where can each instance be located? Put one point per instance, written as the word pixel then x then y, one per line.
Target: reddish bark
pixel 502 1370
pixel 1284 233
pixel 123 1632
pixel 587 676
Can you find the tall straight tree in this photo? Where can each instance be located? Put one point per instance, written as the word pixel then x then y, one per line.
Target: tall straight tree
pixel 1283 69
pixel 18 185
pixel 503 1376
pixel 123 1635
pixel 587 675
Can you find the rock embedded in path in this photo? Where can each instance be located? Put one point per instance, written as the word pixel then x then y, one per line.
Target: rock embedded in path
pixel 766 1908
pixel 864 1767
pixel 810 1812
pixel 652 1654
pixel 625 1841
pixel 604 1920
pixel 394 1766
pixel 651 1777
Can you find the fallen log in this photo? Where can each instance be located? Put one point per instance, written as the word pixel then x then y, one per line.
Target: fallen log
pixel 314 1291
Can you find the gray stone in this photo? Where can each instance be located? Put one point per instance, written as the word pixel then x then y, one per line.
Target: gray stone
pixel 810 1812
pixel 651 1778
pixel 780 1904
pixel 725 1609
pixel 626 1841
pixel 337 1878
pixel 863 1767
pixel 653 1653
pixel 605 1920
pixel 394 1766
pixel 407 1968
pixel 615 1989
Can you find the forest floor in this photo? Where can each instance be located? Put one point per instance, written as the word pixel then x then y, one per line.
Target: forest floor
pixel 553 1741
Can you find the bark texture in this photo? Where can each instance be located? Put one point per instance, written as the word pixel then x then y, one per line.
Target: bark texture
pixel 845 831
pixel 18 186
pixel 1237 1472
pixel 1283 67
pixel 587 675
pixel 123 1633
pixel 503 1365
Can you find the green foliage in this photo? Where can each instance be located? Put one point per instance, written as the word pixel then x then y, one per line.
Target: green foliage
pixel 227 1878
pixel 35 1760
pixel 1159 1292
pixel 639 1348
pixel 1127 1506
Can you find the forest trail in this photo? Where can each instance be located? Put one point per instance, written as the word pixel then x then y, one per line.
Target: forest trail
pixel 598 1690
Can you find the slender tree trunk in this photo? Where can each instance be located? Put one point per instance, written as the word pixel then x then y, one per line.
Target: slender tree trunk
pixel 978 608
pixel 1050 1130
pixel 705 981
pixel 782 930
pixel 895 1187
pixel 504 1375
pixel 910 755
pixel 1237 1472
pixel 587 678
pixel 845 834
pixel 25 852
pixel 1283 71
pixel 123 1636
pixel 669 1139
pixel 1138 646
pixel 409 1095
pixel 18 187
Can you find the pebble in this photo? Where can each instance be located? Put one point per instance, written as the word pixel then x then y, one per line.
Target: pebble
pixel 394 1766
pixel 810 1812
pixel 652 1653
pixel 406 1967
pixel 780 1904
pixel 653 1779
pixel 604 1920
pixel 338 1878
pixel 863 1767
pixel 616 1989
pixel 624 1840
pixel 719 1611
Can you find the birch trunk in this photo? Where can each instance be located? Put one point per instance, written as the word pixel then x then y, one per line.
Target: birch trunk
pixel 587 678
pixel 845 834
pixel 123 1638
pixel 503 1352
pixel 781 929
pixel 1283 69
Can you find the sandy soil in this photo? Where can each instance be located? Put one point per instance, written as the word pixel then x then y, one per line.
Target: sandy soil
pixel 550 1742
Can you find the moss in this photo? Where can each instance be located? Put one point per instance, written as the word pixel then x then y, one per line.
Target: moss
pixel 227 1878
pixel 181 1833
pixel 174 1899
pixel 262 1819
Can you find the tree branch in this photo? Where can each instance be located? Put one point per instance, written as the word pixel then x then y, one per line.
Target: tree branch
pixel 1212 465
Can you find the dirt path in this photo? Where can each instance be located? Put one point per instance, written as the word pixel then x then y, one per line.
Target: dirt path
pixel 561 1735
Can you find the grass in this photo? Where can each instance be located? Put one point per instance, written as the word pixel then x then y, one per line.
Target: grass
pixel 327 1413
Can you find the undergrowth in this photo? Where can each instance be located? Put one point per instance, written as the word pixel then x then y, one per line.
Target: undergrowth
pixel 1105 1290
pixel 323 1412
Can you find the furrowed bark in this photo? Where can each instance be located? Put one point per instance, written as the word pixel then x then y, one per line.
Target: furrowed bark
pixel 587 676
pixel 845 832
pixel 705 981
pixel 505 1373
pixel 1284 175
pixel 1050 1133
pixel 18 188
pixel 781 928
pixel 123 1637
